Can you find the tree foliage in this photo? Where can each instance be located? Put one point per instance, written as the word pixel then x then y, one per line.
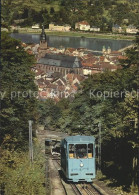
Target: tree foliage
pixel 49 113
pixel 101 13
pixel 18 105
pixel 17 174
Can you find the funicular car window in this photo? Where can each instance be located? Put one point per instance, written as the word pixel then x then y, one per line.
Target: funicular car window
pixel 90 150
pixel 71 151
pixel 81 150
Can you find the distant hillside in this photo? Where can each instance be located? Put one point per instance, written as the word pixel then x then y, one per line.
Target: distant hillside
pixel 102 13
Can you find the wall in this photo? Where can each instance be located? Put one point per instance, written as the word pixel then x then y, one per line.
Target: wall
pixel 48 68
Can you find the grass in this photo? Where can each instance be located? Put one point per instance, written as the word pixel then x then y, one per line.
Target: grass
pixel 81 34
pixel 36 5
pixel 91 35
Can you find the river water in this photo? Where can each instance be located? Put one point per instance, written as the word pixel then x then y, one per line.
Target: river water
pixel 95 44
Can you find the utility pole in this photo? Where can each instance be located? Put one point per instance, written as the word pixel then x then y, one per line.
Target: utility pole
pixel 99 146
pixel 135 166
pixel 30 141
pixel 98 153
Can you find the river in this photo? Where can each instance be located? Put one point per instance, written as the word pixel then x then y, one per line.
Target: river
pixel 95 44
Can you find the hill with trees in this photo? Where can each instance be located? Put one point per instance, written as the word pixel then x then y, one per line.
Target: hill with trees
pixel 102 13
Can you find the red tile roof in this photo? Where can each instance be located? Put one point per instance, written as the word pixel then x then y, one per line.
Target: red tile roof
pixel 43 93
pixel 89 62
pixel 71 49
pixel 122 57
pixel 40 72
pixel 83 22
pixel 105 65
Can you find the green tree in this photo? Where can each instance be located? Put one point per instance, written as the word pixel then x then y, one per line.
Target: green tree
pixel 49 113
pixel 17 175
pixel 52 10
pixel 18 104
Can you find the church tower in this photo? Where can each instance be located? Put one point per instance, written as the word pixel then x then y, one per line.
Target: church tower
pixel 104 50
pixel 109 50
pixel 43 42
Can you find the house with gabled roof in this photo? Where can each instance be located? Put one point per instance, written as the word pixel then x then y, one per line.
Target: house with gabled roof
pixel 131 29
pixel 60 82
pixel 117 29
pixel 83 25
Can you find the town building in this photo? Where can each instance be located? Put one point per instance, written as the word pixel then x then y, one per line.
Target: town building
pixel 94 29
pixel 131 29
pixel 84 25
pixel 60 71
pixel 36 26
pixel 64 28
pixel 60 63
pixel 52 62
pixel 117 29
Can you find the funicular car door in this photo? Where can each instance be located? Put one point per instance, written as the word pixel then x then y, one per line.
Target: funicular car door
pixel 71 157
pixel 66 157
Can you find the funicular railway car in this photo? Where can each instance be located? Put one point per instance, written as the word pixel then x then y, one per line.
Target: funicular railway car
pixel 78 158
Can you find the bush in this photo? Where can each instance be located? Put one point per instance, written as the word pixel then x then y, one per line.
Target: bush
pixel 19 176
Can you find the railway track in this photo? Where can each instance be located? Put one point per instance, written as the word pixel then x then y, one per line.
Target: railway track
pixel 78 189
pixel 90 189
pixel 57 187
pixel 87 189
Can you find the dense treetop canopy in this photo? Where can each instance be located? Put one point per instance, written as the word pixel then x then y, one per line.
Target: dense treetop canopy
pixel 102 13
pixel 17 87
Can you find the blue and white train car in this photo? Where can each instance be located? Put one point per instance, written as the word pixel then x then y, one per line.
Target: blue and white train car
pixel 78 158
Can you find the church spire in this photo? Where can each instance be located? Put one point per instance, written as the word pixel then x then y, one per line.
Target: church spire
pixel 43 42
pixel 43 35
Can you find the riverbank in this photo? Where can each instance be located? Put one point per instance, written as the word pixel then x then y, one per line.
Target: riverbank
pixel 124 49
pixel 79 34
pixel 92 35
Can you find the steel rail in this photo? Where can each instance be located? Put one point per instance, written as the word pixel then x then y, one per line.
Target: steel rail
pixel 76 189
pixel 99 190
pixel 88 190
pixel 92 190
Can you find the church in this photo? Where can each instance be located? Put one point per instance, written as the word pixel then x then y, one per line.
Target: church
pixel 57 62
